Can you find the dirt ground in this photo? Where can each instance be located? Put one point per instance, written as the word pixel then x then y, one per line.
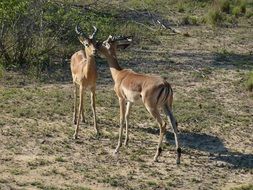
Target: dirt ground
pixel 215 113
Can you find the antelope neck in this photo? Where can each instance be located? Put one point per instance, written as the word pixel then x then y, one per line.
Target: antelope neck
pixel 114 65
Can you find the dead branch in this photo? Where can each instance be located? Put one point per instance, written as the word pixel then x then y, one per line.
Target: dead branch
pixel 156 21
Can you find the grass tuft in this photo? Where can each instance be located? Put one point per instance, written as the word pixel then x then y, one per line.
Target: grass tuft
pixel 224 5
pixel 189 20
pixel 215 17
pixel 243 187
pixel 1 71
pixel 249 82
pixel 181 7
pixel 236 11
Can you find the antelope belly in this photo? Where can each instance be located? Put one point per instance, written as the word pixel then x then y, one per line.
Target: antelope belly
pixel 131 96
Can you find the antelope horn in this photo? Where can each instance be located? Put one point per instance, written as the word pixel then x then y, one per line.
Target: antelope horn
pixel 94 33
pixel 79 32
pixel 109 38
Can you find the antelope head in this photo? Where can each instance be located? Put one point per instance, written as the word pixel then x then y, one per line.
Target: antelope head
pixel 89 42
pixel 112 43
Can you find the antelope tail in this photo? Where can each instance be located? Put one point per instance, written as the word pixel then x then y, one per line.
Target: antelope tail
pixel 164 93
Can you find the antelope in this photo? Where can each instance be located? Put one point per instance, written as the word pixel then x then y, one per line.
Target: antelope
pixel 154 91
pixel 84 75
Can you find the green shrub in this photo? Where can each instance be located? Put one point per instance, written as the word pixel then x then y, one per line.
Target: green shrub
pixel 236 11
pixel 189 20
pixel 224 5
pixel 215 17
pixel 180 7
pixel 249 81
pixel 243 187
pixel 242 5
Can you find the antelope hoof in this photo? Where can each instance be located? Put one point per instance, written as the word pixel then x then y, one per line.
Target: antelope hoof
pixel 74 119
pixel 75 136
pixel 178 161
pixel 116 151
pixel 179 151
pixel 98 134
pixel 155 158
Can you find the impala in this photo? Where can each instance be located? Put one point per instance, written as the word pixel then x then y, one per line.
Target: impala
pixel 130 86
pixel 84 75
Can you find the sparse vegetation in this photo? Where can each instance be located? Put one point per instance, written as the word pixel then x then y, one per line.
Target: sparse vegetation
pixel 236 11
pixel 243 187
pixel 1 71
pixel 223 5
pixel 181 7
pixel 221 11
pixel 190 20
pixel 215 17
pixel 209 72
pixel 249 82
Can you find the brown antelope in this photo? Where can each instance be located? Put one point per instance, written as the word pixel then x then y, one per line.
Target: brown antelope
pixel 84 75
pixel 130 86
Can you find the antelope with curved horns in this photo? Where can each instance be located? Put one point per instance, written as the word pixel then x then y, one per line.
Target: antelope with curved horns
pixel 130 86
pixel 84 75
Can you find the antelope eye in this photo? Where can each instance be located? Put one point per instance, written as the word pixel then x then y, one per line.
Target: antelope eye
pixel 87 45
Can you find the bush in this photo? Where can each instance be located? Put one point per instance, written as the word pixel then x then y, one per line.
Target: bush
pixel 189 20
pixel 249 82
pixel 224 5
pixel 180 7
pixel 242 5
pixel 235 7
pixel 215 17
pixel 236 11
pixel 37 35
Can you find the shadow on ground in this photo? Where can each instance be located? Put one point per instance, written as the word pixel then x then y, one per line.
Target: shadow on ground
pixel 187 60
pixel 215 147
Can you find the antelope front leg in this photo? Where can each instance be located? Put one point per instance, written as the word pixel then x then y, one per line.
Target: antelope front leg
pixel 129 104
pixel 93 106
pixel 82 116
pixel 75 104
pixel 75 136
pixel 122 114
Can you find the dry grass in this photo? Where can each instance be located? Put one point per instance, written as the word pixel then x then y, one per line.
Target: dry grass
pixel 207 72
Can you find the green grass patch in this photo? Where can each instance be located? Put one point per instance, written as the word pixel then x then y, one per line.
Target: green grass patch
pixel 215 17
pixel 41 185
pixel 17 171
pixel 1 70
pixel 60 159
pixel 224 5
pixel 114 181
pixel 38 162
pixel 236 11
pixel 243 187
pixel 249 81
pixel 190 20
